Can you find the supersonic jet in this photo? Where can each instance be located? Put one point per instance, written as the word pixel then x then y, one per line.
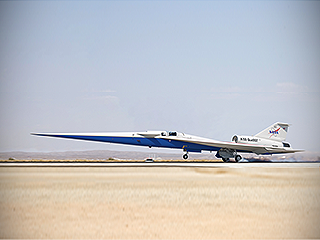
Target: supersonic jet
pixel 269 141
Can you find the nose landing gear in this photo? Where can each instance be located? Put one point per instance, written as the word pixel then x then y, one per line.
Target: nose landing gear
pixel 185 156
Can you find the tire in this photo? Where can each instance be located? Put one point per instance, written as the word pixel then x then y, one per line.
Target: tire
pixel 237 158
pixel 185 156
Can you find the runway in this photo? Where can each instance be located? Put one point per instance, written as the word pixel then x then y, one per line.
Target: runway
pixel 160 200
pixel 167 164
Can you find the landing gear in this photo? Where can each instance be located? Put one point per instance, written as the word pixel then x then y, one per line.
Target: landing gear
pixel 185 156
pixel 237 158
pixel 226 154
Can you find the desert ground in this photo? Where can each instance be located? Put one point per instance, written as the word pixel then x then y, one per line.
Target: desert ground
pixel 159 202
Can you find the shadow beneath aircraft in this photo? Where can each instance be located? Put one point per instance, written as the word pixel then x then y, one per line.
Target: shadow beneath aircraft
pixel 253 160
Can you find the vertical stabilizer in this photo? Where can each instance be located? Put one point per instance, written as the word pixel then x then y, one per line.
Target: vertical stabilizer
pixel 277 132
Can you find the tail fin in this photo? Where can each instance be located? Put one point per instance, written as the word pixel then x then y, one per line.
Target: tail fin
pixel 277 132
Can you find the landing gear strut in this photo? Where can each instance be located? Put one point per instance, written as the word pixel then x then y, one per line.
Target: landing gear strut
pixel 185 156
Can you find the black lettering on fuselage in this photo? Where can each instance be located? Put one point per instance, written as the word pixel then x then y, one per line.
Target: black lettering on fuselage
pixel 249 140
pixel 253 140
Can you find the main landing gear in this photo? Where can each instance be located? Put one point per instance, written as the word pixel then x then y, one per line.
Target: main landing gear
pixel 226 154
pixel 237 158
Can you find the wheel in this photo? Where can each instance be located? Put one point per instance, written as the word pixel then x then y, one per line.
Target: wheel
pixel 185 156
pixel 237 158
pixel 225 159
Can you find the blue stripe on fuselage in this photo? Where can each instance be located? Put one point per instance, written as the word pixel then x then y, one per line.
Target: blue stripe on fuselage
pixel 142 141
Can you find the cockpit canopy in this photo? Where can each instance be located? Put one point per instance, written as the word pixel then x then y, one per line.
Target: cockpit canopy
pixel 173 134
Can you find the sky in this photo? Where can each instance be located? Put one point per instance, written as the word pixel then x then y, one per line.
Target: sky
pixel 206 68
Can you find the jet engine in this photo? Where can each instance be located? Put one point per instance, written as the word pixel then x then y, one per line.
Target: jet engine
pixel 259 141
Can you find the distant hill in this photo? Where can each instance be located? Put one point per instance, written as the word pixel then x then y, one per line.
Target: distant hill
pixel 98 154
pixel 132 155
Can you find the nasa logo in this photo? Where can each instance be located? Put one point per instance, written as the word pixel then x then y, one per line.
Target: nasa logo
pixel 273 132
